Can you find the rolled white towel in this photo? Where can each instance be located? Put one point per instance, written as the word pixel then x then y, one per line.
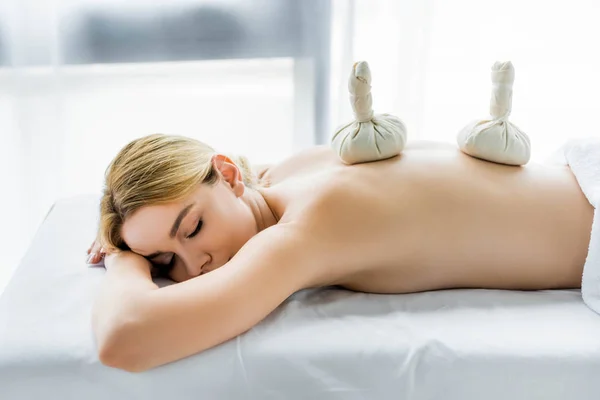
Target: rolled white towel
pixel 369 137
pixel 583 157
pixel 497 139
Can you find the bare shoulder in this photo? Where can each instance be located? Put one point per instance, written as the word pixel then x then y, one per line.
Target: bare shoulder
pixel 279 252
pixel 274 259
pixel 306 161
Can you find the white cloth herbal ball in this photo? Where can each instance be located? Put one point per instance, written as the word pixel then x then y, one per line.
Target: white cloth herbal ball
pixel 369 137
pixel 496 138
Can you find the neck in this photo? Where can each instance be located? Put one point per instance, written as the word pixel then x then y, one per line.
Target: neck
pixel 263 215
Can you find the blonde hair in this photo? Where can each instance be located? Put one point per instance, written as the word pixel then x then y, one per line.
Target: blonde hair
pixel 155 169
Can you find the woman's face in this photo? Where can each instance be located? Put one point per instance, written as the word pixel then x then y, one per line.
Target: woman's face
pixel 195 235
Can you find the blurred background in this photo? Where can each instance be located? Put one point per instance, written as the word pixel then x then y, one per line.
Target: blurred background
pixel 265 78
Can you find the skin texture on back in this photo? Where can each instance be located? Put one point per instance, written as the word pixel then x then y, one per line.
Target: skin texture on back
pixel 436 218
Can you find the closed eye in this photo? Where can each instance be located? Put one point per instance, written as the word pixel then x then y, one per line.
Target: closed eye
pixel 198 227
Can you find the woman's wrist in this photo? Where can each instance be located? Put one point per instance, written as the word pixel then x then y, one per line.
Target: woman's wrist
pixel 125 265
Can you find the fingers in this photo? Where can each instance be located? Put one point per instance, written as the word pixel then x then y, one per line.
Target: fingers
pixel 93 247
pixel 96 257
pixel 95 253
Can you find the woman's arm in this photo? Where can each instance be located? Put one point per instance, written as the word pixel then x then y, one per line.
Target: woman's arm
pixel 157 326
pixel 117 304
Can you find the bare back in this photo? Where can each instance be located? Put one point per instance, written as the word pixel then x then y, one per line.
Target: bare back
pixel 433 218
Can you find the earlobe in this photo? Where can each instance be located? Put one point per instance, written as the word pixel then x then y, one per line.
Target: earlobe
pixel 238 188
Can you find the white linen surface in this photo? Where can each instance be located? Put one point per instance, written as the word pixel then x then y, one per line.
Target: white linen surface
pixel 320 344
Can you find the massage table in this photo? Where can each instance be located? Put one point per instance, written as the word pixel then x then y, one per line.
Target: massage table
pixel 326 343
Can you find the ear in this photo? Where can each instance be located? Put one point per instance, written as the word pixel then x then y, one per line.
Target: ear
pixel 230 173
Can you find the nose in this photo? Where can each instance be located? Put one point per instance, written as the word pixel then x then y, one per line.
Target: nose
pixel 194 263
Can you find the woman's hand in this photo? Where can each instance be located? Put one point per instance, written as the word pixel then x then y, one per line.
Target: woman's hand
pixel 95 252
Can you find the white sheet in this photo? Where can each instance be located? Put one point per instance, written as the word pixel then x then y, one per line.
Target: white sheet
pixel 320 344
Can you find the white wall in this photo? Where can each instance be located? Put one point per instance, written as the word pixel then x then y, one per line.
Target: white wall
pixel 431 63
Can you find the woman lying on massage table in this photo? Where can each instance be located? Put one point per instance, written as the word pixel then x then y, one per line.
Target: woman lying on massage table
pixel 430 218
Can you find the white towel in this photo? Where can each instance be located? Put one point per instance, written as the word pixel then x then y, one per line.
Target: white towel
pixel 583 157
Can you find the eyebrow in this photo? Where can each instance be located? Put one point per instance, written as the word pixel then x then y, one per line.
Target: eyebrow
pixel 178 220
